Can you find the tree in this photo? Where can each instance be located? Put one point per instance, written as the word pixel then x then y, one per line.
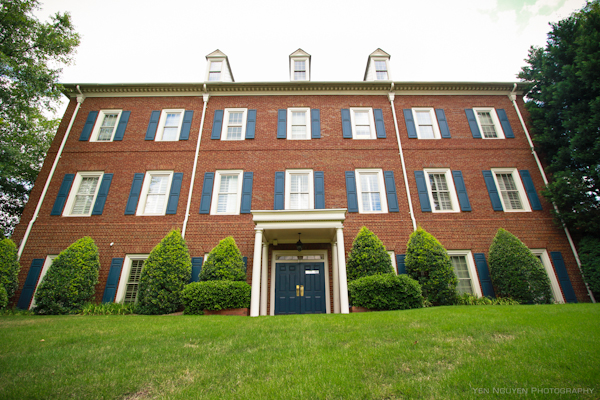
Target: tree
pixel 9 267
pixel 564 89
pixel 224 263
pixel 589 252
pixel 367 256
pixel 29 53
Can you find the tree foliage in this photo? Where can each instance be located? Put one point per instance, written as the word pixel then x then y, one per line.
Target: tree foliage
pixel 224 263
pixel 367 256
pixel 9 267
pixel 30 53
pixel 589 252
pixel 564 89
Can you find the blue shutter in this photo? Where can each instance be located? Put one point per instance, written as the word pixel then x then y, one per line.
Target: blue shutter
pixel 422 190
pixel 346 124
pixel 152 125
pixel 122 125
pixel 63 192
pixel 110 290
pixel 281 124
pixel 508 132
pixel 319 178
pixel 102 194
pixel 217 125
pixel 188 116
pixel 251 124
pixel 351 193
pixel 492 190
pixel 400 264
pixel 30 283
pixel 390 188
pixel 89 125
pixel 473 123
pixel 315 121
pixel 563 276
pixel 246 266
pixel 443 123
pixel 534 200
pixel 174 194
pixel 461 191
pixel 196 268
pixel 134 194
pixel 410 123
pixel 484 275
pixel 379 124
pixel 279 200
pixel 207 188
pixel 247 193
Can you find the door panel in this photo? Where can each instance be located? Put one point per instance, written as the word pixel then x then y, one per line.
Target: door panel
pixel 313 300
pixel 290 276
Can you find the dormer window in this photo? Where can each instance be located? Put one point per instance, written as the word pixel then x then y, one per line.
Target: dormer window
pixel 300 66
pixel 300 70
pixel 378 66
pixel 218 68
pixel 215 70
pixel 381 70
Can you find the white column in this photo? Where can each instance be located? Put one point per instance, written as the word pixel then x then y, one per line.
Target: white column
pixel 342 270
pixel 263 283
pixel 336 279
pixel 256 264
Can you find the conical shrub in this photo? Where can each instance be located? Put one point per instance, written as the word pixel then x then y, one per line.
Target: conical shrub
pixel 367 256
pixel 9 267
pixel 224 263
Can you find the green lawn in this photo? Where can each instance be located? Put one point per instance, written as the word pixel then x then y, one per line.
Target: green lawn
pixel 434 353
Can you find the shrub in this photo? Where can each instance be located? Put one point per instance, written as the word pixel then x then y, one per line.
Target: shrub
pixel 589 254
pixel 468 299
pixel 427 262
pixel 516 272
pixel 385 292
pixel 108 309
pixel 70 281
pixel 367 256
pixel 166 271
pixel 224 263
pixel 9 267
pixel 3 297
pixel 215 295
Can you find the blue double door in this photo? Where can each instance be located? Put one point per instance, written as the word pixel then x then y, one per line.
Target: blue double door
pixel 299 288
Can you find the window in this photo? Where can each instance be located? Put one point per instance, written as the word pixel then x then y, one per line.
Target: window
pixel 442 193
pixel 426 123
pixel 155 193
pixel 371 191
pixel 362 123
pixel 299 70
pixel 299 190
pixel 464 268
pixel 488 122
pixel 130 278
pixel 83 194
pixel 227 192
pixel 234 124
pixel 298 124
pixel 106 126
pixel 214 73
pixel 47 264
pixel 542 255
pixel 511 191
pixel 169 125
pixel 381 70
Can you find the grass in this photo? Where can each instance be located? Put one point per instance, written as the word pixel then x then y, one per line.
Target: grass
pixel 433 353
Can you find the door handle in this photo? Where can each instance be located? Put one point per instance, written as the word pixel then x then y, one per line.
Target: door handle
pixel 297 290
pixel 301 290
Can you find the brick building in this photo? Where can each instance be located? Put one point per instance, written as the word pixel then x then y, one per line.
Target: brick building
pixel 275 163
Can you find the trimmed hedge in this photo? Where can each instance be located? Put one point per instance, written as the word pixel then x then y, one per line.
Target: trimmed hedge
pixel 468 299
pixel 215 295
pixel 385 292
pixel 9 267
pixel 589 253
pixel 367 256
pixel 3 297
pixel 165 273
pixel 70 281
pixel 224 263
pixel 516 272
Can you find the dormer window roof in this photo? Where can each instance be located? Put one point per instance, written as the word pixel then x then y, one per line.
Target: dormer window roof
pixel 299 66
pixel 378 66
pixel 218 68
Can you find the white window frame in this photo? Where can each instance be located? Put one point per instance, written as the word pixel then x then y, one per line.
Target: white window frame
pixel 129 258
pixel 47 263
pixel 306 110
pixel 67 211
pixel 293 69
pixel 226 113
pixel 495 120
pixel 311 187
pixel 222 61
pixel 387 68
pixel 517 179
pixel 371 122
pixel 451 188
pixel 382 191
pixel 216 186
pixel 393 259
pixel 98 125
pixel 144 193
pixel 475 285
pixel 434 122
pixel 554 285
pixel 163 120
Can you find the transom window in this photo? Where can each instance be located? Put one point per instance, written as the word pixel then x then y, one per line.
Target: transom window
pixel 442 193
pixel 83 194
pixel 300 70
pixel 214 73
pixel 426 123
pixel 169 125
pixel 371 188
pixel 227 192
pixel 106 125
pixel 299 124
pixel 135 273
pixel 155 193
pixel 488 123
pixel 381 70
pixel 362 123
pixel 299 190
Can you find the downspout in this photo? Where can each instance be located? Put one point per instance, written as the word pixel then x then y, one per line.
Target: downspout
pixel 80 98
pixel 513 97
pixel 205 98
pixel 391 97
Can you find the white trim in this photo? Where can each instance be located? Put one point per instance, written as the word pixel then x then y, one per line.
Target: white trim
pixel 226 113
pixel 517 179
pixel 98 125
pixel 288 187
pixel 434 122
pixel 451 188
pixel 125 274
pixel 475 284
pixel 47 263
pixel 556 292
pixel 67 211
pixel 382 192
pixel 306 111
pixel 216 187
pixel 146 187
pixel 161 125
pixel 495 120
pixel 393 258
pixel 373 133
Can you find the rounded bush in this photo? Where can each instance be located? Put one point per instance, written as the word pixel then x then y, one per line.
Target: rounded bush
pixel 516 272
pixel 385 292
pixel 215 295
pixel 70 281
pixel 589 253
pixel 165 273
pixel 9 267
pixel 224 263
pixel 3 297
pixel 427 262
pixel 367 256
